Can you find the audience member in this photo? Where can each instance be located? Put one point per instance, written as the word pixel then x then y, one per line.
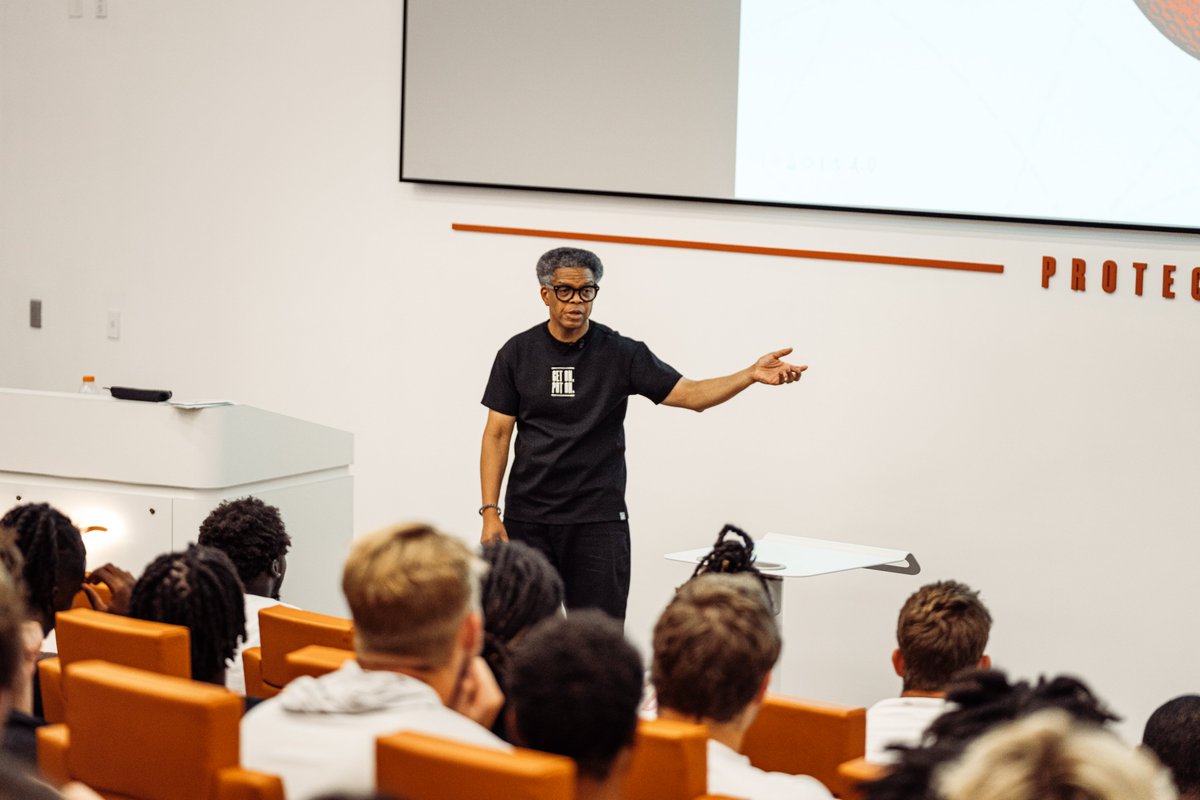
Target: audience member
pixel 1048 756
pixel 20 728
pixel 52 548
pixel 714 648
pixel 17 654
pixel 521 589
pixel 252 534
pixel 978 702
pixel 414 596
pixel 1173 734
pixel 199 589
pixel 942 630
pixel 575 686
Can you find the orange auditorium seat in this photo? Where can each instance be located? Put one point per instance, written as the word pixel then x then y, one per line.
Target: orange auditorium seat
pixel 856 772
pixel 804 737
pixel 136 734
pixel 86 634
pixel 420 767
pixel 316 660
pixel 283 630
pixel 670 761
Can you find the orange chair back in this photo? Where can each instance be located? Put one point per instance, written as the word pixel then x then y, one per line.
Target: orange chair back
pixel 420 767
pixel 316 660
pixel 85 634
pixel 804 737
pixel 139 734
pixel 283 630
pixel 670 761
pixel 856 772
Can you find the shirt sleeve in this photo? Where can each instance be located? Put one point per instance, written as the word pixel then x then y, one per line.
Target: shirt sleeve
pixel 501 393
pixel 650 377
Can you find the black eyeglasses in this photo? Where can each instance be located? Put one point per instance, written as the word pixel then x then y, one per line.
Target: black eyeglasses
pixel 566 293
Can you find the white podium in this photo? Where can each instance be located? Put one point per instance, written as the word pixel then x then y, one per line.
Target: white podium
pixel 139 478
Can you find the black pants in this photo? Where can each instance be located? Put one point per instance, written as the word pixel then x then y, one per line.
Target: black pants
pixel 592 558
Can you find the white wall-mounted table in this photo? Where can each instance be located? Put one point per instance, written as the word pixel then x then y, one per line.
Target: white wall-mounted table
pixel 779 556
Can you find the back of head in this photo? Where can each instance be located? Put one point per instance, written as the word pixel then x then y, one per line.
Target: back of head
pixel 250 532
pixel 409 589
pixel 199 589
pixel 520 590
pixel 568 258
pixel 575 687
pixel 1048 756
pixel 713 646
pixel 943 629
pixel 12 617
pixel 54 555
pixel 1173 734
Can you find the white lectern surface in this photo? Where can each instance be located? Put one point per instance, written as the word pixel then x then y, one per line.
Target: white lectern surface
pixel 779 554
pixel 144 476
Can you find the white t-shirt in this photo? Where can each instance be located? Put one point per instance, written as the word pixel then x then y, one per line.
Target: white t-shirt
pixel 318 734
pixel 235 677
pixel 731 773
pixel 899 720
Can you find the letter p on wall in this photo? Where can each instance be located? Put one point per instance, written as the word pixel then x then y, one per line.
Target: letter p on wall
pixel 1049 267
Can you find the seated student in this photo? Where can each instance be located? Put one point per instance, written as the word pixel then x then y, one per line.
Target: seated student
pixel 252 534
pixel 521 589
pixel 199 589
pixel 942 630
pixel 55 560
pixel 18 774
pixel 575 684
pixel 1173 734
pixel 1049 756
pixel 978 702
pixel 414 596
pixel 714 648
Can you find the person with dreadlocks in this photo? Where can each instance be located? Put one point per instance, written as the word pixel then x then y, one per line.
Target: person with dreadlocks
pixel 978 702
pixel 252 534
pixel 520 589
pixel 52 548
pixel 199 589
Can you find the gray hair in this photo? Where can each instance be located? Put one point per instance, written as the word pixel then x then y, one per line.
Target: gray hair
pixel 568 257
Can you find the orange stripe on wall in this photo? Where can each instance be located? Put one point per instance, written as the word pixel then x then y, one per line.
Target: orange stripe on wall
pixel 823 255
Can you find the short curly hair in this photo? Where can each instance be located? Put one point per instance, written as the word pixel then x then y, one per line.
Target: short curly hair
pixel 250 532
pixel 576 683
pixel 942 630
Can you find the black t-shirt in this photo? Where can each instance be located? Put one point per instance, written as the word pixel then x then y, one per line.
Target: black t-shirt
pixel 569 400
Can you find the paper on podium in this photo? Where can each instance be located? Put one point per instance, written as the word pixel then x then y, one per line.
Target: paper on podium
pixel 800 557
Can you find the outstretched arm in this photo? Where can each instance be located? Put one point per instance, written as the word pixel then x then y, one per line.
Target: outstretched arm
pixel 699 395
pixel 493 459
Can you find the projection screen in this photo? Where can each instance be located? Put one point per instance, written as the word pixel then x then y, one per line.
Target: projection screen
pixel 1077 111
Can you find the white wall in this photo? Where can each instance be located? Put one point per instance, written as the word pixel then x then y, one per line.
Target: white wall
pixel 223 174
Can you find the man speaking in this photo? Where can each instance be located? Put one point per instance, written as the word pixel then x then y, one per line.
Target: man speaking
pixel 564 385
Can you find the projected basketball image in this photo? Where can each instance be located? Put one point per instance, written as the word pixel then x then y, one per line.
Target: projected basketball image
pixel 1178 20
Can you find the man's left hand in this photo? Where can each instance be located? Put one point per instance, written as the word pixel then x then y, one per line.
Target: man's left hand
pixel 772 370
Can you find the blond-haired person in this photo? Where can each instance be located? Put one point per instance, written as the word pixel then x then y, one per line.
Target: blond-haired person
pixel 714 648
pixel 1049 756
pixel 414 596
